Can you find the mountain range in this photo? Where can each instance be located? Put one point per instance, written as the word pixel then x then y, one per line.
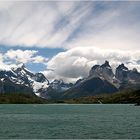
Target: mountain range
pixel 101 79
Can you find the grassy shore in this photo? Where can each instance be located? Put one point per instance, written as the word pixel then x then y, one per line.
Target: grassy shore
pixel 17 98
pixel 124 97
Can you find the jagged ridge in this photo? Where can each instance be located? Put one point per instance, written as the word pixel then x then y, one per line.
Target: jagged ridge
pixel 101 79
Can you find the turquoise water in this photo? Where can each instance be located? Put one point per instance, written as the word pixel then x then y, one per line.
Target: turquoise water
pixel 70 121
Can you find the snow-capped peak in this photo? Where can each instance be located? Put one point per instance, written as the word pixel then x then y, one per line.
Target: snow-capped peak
pixel 20 75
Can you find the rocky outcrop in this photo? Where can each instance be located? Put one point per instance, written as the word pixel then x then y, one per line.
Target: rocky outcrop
pixel 123 74
pixel 104 71
pixel 55 89
pixel 60 86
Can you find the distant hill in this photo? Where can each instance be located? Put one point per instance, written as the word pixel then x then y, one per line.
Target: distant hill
pixel 124 97
pixel 16 98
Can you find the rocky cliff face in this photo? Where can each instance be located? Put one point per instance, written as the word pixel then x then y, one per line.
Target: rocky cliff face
pixel 101 79
pixel 60 86
pixel 104 72
pixel 123 74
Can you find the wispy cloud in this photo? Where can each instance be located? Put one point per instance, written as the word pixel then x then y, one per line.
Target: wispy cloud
pixel 70 24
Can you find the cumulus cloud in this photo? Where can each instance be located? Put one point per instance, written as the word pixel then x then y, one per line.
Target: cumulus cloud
pixel 3 66
pixel 26 56
pixel 20 56
pixel 76 63
pixel 14 57
pixel 39 59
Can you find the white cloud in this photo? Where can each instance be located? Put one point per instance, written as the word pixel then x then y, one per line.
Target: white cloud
pixel 3 66
pixel 33 23
pixel 20 56
pixel 76 63
pixel 39 59
pixel 70 24
pixel 14 57
pixel 120 38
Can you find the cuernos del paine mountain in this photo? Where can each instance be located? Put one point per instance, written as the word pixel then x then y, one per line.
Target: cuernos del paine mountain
pixel 102 80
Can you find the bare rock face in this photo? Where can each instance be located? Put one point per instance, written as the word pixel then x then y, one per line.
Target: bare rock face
pixel 39 77
pixel 104 72
pixel 55 89
pixel 123 74
pixel 134 76
pixel 60 85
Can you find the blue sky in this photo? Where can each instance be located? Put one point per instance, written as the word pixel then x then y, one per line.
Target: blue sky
pixel 44 52
pixel 63 39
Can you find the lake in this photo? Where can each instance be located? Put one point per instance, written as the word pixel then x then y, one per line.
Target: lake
pixel 64 121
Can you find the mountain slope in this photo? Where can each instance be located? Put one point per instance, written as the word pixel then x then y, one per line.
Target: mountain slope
pixel 55 89
pixel 20 80
pixel 89 87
